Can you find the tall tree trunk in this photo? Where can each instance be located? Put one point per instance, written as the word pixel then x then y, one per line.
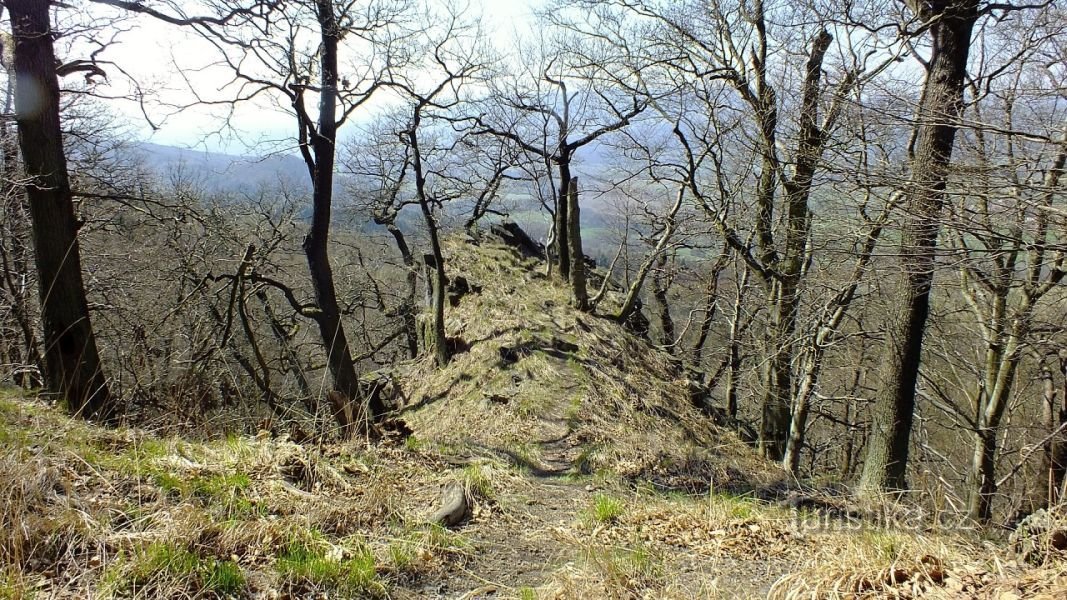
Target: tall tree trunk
pixel 710 303
pixel 408 309
pixel 833 313
pixel 981 480
pixel 316 242
pixel 433 332
pixel 778 381
pixel 435 335
pixel 733 374
pixel 71 360
pixel 14 249
pixel 1055 450
pixel 577 253
pixel 663 307
pixel 562 222
pixel 951 24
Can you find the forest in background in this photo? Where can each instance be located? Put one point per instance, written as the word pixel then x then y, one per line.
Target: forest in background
pixel 844 221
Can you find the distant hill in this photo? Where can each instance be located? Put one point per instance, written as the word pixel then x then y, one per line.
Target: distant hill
pixel 223 173
pixel 220 173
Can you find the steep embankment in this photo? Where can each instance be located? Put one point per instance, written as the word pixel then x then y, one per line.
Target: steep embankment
pixel 562 392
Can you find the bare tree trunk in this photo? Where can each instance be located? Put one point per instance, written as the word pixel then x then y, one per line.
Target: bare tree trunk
pixel 408 309
pixel 72 361
pixel 577 254
pixel 433 333
pixel 14 247
pixel 1055 455
pixel 562 222
pixel 833 313
pixel 663 307
pixel 733 374
pixel 950 25
pixel 292 362
pixel 710 299
pixel 435 336
pixel 981 479
pixel 316 242
pixel 778 381
pixel 633 293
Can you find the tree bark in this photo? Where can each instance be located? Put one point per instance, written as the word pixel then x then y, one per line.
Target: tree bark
pixel 733 374
pixel 630 301
pixel 436 339
pixel 951 24
pixel 785 296
pixel 562 221
pixel 316 242
pixel 15 254
pixel 710 303
pixel 574 242
pixel 408 308
pixel 1055 450
pixel 71 360
pixel 663 307
pixel 833 313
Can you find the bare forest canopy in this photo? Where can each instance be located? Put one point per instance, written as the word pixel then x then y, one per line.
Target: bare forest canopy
pixel 829 237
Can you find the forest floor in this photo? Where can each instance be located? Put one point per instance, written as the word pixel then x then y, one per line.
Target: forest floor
pixel 589 468
pixel 87 512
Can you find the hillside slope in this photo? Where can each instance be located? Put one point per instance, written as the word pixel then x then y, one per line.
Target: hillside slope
pixel 585 469
pixel 563 392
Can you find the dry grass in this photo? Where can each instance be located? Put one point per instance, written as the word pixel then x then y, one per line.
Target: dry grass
pixel 577 393
pixel 131 513
pixel 123 513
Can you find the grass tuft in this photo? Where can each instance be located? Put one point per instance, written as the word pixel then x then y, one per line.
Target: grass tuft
pixel 606 509
pixel 166 568
pixel 348 572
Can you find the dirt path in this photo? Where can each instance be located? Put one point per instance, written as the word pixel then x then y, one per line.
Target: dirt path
pixel 540 529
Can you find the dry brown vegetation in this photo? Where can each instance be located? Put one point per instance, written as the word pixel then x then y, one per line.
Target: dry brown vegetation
pixel 124 513
pixel 590 472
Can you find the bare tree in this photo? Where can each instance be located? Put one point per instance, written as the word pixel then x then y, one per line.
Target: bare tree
pixel 949 25
pixel 71 359
pixel 552 111
pixel 265 45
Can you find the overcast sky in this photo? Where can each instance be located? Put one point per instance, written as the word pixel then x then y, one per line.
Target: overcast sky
pixel 150 49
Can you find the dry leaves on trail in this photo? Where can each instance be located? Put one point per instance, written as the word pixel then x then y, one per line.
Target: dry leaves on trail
pixel 702 532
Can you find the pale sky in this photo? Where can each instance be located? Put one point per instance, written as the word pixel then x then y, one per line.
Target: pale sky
pixel 150 50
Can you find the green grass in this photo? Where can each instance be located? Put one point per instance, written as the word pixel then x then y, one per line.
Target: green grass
pixel 227 490
pixel 606 509
pixel 885 544
pixel 527 593
pixel 224 491
pixel 401 555
pixel 477 481
pixel 165 566
pixel 413 444
pixel 735 507
pixel 13 587
pixel 308 563
pixel 625 568
pixel 224 578
pixel 441 538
